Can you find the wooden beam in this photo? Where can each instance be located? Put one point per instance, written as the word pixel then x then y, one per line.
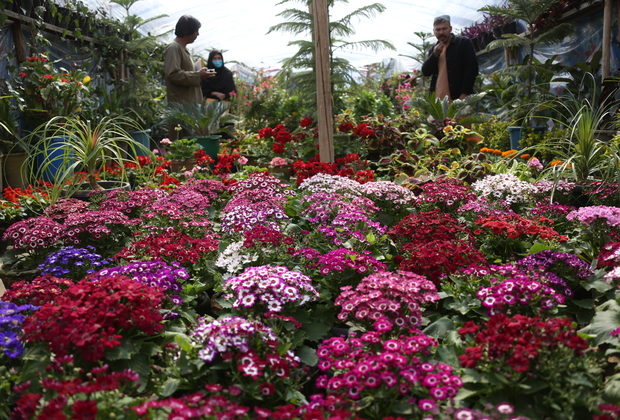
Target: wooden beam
pixel 20 44
pixel 323 82
pixel 606 64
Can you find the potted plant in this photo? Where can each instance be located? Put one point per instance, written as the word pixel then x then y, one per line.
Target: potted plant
pixel 203 121
pixel 180 153
pixel 525 90
pixel 13 156
pixel 67 145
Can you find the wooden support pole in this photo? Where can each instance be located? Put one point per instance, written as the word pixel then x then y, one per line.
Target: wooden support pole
pixel 323 82
pixel 20 44
pixel 607 14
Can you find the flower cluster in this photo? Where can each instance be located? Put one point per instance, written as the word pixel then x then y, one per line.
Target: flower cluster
pixel 323 208
pixel 519 342
pixel 245 214
pixel 279 134
pixel 73 263
pixel 446 194
pixel 329 184
pixel 506 187
pixel 11 319
pixel 90 317
pixel 508 235
pixel 252 354
pixel 262 180
pixel 387 301
pixel 198 405
pixel 96 226
pixel 182 204
pixel 506 296
pixel 529 350
pixel 170 245
pixel 64 207
pixel 41 290
pixel 600 224
pixel 388 371
pixel 434 244
pixel 131 203
pixel 354 224
pixel 68 391
pixel 269 289
pixel 156 274
pixel 558 266
pixel 33 233
pixel 236 256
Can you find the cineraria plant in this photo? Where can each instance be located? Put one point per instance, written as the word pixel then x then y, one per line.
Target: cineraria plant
pixel 344 267
pixel 91 318
pixel 387 302
pixel 269 289
pixel 398 375
pixel 170 245
pixel 244 353
pixel 445 194
pixel 433 244
pixel 105 229
pixel 329 184
pixel 64 207
pixel 63 390
pixel 33 234
pixel 11 319
pixel 597 225
pixel 542 366
pixel 506 187
pixel 179 205
pixel 512 235
pixel 131 203
pixel 42 289
pixel 156 274
pixel 246 214
pixel 264 181
pixel 73 263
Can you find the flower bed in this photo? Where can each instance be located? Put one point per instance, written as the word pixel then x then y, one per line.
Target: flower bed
pixel 249 297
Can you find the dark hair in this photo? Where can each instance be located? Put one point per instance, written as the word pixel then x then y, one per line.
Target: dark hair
pixel 186 25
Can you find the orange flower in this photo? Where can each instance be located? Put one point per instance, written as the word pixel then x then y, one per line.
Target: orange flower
pixel 497 152
pixel 510 153
pixel 525 156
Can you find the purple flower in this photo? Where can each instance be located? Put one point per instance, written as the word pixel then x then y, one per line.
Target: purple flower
pixel 73 263
pixel 11 320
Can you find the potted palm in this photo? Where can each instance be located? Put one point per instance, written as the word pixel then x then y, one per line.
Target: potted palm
pixel 203 121
pixel 64 147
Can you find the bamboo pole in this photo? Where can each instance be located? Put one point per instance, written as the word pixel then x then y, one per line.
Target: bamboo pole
pixel 606 39
pixel 323 83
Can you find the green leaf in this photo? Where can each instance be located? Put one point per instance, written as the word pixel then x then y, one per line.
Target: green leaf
pixel 532 386
pixel 307 355
pixel 402 407
pixel 122 352
pixel 316 330
pixel 439 328
pixel 170 387
pixel 184 342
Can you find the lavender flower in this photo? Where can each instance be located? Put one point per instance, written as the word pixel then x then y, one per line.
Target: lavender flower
pixel 73 263
pixel 11 320
pixel 589 215
pixel 156 274
pixel 270 289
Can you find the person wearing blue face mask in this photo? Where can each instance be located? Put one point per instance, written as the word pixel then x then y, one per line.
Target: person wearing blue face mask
pixel 222 85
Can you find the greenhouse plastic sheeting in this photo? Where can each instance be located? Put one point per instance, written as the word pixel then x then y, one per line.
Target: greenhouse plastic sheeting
pixel 240 27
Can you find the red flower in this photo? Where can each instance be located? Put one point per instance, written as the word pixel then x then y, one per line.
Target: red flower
pixel 22 74
pixel 48 76
pixel 305 122
pixel 278 148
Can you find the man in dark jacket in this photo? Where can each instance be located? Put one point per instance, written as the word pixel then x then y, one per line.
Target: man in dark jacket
pixel 452 62
pixel 223 84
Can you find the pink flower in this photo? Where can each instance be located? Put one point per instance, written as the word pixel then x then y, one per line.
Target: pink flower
pixel 165 141
pixel 242 160
pixel 278 161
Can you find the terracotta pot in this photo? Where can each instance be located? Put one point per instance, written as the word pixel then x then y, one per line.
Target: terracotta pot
pixel 14 171
pixel 178 165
